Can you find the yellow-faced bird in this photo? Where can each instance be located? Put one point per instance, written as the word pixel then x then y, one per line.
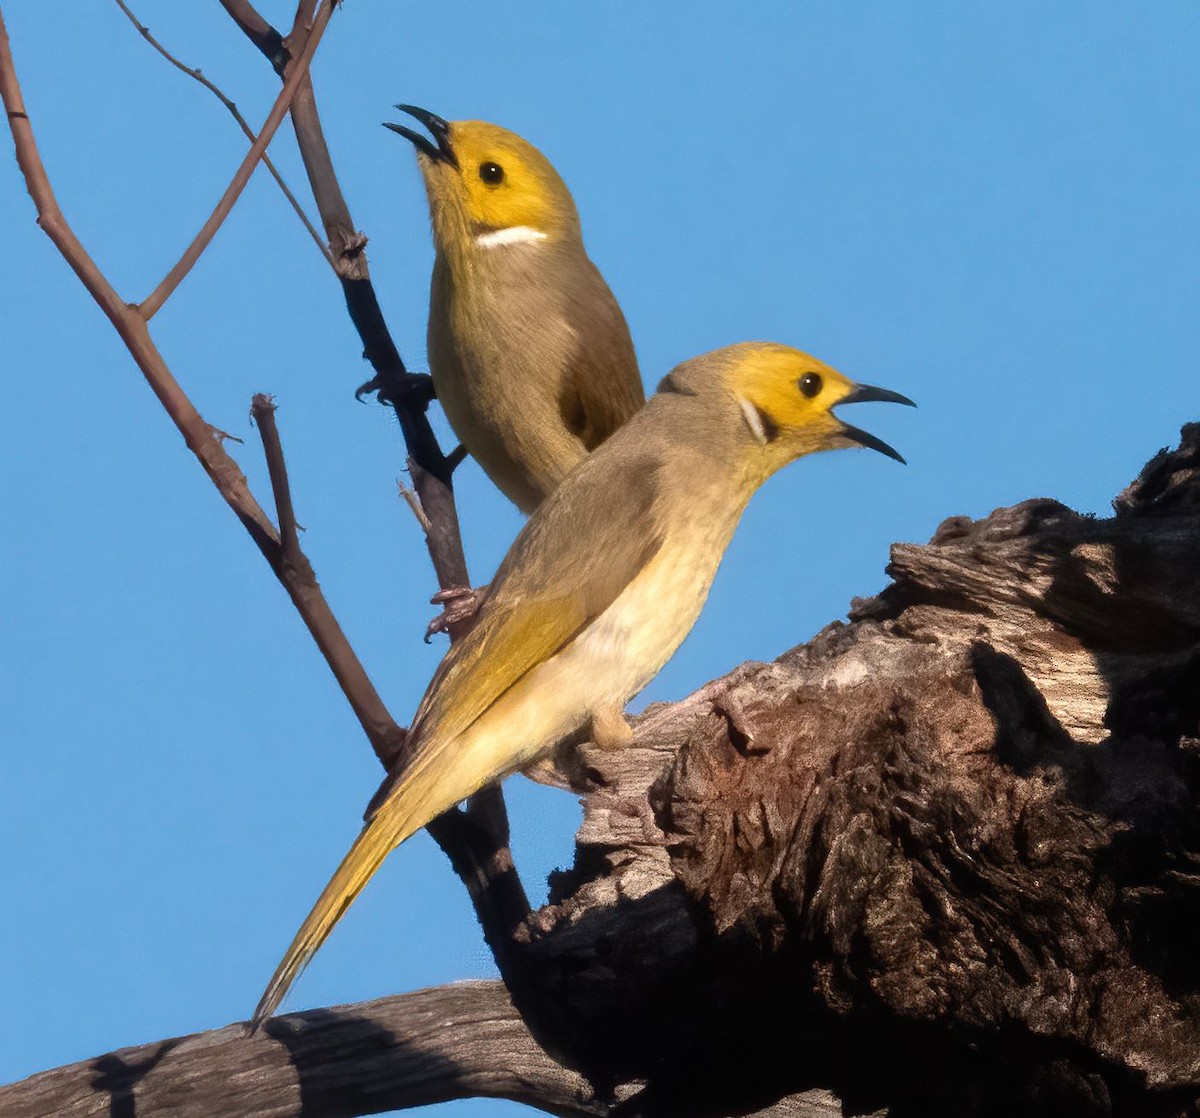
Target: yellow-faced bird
pixel 602 584
pixel 529 352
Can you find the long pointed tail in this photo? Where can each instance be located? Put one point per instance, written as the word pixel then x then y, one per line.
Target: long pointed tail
pixel 422 793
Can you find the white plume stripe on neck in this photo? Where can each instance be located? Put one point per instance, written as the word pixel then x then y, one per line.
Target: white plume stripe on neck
pixel 516 235
pixel 753 420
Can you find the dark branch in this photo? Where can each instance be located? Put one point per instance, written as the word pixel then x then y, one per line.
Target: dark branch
pixel 476 842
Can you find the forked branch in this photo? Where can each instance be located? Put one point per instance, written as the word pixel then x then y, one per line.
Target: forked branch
pixel 202 439
pixel 198 75
pixel 477 842
pixel 208 230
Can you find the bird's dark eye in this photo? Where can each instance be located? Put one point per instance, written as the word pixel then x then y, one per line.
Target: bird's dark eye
pixel 491 173
pixel 810 384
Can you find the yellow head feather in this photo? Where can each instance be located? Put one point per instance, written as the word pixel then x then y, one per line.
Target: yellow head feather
pixel 786 399
pixel 789 388
pixel 780 399
pixel 497 181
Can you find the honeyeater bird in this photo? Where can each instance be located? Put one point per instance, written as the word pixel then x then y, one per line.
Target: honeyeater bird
pixel 603 583
pixel 529 352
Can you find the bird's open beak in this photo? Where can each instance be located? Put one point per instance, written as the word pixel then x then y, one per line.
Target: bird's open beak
pixel 865 394
pixel 438 129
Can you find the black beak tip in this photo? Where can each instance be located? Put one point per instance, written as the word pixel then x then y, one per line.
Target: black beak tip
pixel 439 150
pixel 421 143
pixel 865 438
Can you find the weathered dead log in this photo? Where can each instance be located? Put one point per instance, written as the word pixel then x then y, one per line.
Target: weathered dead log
pixel 942 860
pixel 455 1042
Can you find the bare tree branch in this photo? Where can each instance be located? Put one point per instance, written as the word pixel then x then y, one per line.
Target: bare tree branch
pixel 294 571
pixel 408 393
pixel 262 411
pixel 203 440
pixel 198 434
pixel 241 120
pixel 192 253
pixel 432 1046
pixel 258 31
pixel 477 844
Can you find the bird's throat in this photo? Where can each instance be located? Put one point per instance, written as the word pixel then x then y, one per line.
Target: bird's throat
pixel 514 235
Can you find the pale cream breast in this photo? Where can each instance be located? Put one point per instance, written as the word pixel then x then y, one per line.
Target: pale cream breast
pixel 615 657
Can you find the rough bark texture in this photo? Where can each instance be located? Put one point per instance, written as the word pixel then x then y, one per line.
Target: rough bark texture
pixel 455 1042
pixel 943 860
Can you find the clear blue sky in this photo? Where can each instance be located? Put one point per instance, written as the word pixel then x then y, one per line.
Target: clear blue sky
pixel 990 206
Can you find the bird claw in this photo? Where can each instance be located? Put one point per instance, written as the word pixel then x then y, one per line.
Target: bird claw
pixel 458 603
pixel 404 388
pixel 375 384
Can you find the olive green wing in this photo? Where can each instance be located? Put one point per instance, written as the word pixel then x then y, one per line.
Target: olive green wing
pixel 576 554
pixel 602 387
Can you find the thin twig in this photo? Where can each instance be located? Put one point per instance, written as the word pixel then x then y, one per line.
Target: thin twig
pixel 202 439
pixel 278 111
pixel 410 499
pixel 456 457
pixel 262 411
pixel 192 72
pixel 219 434
pixel 408 393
